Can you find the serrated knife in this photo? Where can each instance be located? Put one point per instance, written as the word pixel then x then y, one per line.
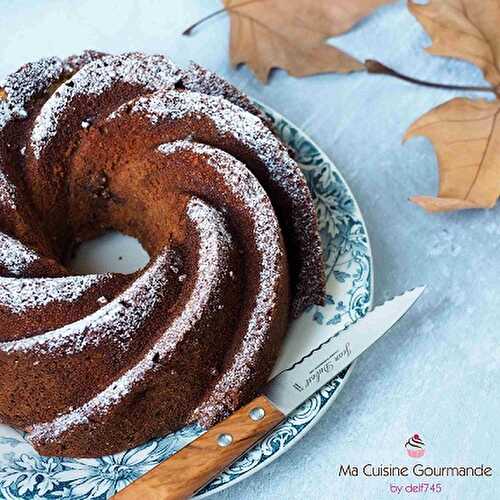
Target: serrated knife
pixel 184 473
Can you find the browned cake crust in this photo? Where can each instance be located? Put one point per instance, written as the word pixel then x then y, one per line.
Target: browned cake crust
pixel 181 160
pixel 24 93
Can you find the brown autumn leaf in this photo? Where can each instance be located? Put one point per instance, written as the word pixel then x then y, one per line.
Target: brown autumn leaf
pixel 465 132
pixel 465 29
pixel 291 34
pixel 466 136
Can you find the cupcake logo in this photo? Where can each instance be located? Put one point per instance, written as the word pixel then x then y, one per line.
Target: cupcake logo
pixel 415 447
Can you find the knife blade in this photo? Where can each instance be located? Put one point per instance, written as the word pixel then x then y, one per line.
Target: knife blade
pixel 293 386
pixel 195 465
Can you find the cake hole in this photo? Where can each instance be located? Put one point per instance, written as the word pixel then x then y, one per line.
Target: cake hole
pixel 156 358
pixel 113 252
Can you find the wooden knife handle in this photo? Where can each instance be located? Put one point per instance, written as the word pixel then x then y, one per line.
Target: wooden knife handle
pixel 195 465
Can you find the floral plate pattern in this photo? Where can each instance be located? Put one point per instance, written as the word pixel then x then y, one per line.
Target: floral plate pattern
pixel 26 475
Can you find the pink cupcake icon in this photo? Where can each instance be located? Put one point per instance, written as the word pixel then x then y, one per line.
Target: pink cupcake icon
pixel 415 447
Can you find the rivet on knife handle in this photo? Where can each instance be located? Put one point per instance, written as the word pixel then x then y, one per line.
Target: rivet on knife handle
pixel 195 465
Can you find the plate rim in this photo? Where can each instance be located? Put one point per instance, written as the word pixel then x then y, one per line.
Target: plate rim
pixel 312 423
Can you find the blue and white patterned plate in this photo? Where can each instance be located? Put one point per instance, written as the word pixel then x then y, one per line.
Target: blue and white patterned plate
pixel 26 475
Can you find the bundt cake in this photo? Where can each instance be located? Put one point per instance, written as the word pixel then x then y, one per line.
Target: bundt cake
pixel 183 161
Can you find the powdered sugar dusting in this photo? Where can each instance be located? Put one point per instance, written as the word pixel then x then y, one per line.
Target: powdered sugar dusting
pixel 266 232
pixel 7 192
pixel 26 83
pixel 14 256
pixel 198 79
pixel 229 120
pixel 21 295
pixel 215 242
pixel 116 321
pixel 151 72
pixel 76 62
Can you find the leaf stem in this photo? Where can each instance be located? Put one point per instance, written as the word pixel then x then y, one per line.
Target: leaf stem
pixel 193 26
pixel 376 67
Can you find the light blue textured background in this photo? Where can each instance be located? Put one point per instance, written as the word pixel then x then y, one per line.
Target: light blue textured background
pixel 438 373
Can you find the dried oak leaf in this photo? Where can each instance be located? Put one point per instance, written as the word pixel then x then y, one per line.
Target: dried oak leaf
pixel 291 34
pixel 465 133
